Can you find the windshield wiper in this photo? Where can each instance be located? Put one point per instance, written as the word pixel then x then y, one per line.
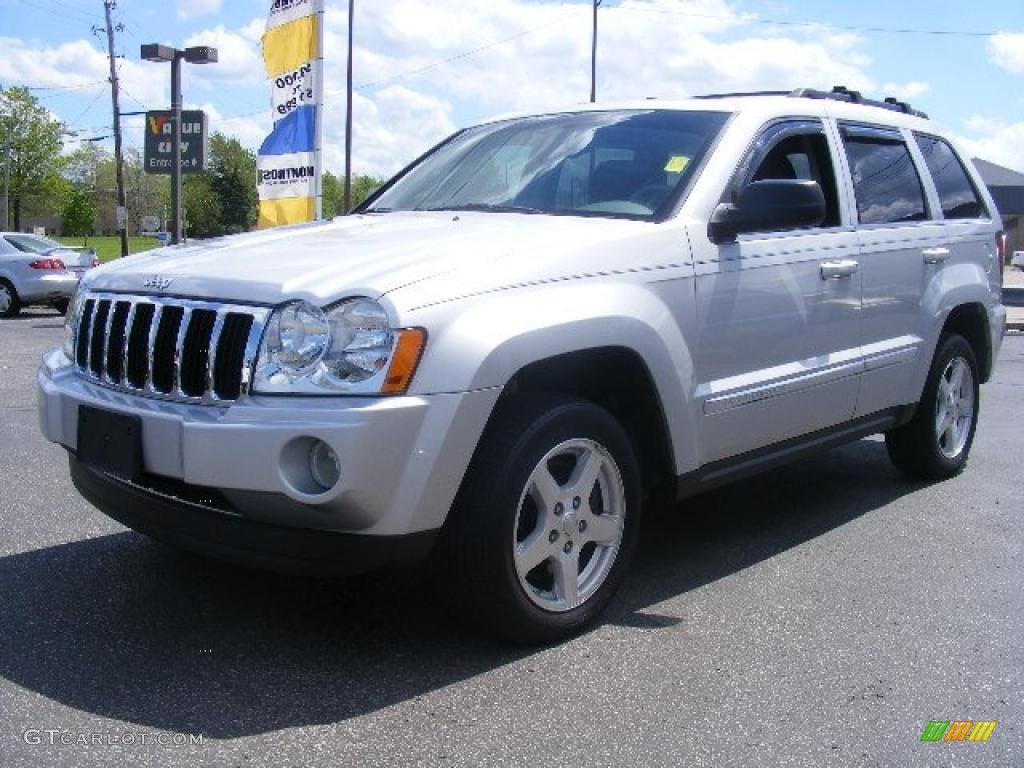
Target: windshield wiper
pixel 486 207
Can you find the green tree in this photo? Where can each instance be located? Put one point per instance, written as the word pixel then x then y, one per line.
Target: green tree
pixel 333 195
pixel 334 192
pixel 363 187
pixel 203 213
pixel 35 148
pixel 79 216
pixel 232 177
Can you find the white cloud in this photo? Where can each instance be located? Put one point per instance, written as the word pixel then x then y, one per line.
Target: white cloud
pixel 83 67
pixel 238 57
pixel 427 68
pixel 1006 50
pixel 190 9
pixel 906 91
pixel 996 141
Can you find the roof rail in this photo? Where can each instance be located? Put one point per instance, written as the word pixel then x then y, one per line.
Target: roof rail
pixel 741 93
pixel 838 93
pixel 842 93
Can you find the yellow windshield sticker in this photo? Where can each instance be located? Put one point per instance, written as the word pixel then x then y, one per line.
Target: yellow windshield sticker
pixel 677 164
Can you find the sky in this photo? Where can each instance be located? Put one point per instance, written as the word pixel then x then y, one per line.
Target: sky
pixel 424 69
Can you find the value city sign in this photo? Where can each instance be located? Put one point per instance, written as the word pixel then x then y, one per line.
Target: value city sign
pixel 160 138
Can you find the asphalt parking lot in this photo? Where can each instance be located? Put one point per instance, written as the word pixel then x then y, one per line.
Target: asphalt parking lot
pixel 820 615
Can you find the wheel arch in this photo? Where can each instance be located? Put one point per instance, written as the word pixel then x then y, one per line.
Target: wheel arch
pixel 625 388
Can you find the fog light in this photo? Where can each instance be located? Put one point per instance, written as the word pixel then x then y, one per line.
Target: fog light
pixel 324 465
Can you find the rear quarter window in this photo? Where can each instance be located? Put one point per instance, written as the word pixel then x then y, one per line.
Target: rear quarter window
pixel 958 197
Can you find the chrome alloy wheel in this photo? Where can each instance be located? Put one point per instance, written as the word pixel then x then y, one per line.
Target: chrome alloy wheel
pixel 954 408
pixel 5 298
pixel 569 525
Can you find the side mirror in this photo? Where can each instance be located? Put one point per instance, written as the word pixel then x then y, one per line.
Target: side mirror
pixel 769 206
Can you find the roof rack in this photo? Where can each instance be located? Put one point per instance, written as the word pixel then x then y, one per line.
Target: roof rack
pixel 838 93
pixel 842 93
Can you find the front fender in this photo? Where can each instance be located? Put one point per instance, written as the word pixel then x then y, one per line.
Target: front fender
pixel 484 344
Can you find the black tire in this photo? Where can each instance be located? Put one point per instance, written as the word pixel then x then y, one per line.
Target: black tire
pixel 13 302
pixel 915 448
pixel 61 305
pixel 478 550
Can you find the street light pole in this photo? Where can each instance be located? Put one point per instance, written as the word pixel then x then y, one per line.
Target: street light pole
pixel 593 56
pixel 176 203
pixel 348 115
pixel 200 54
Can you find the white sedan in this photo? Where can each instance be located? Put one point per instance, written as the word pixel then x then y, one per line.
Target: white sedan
pixel 37 270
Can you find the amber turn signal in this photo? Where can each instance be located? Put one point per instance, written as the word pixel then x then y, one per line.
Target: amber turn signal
pixel 405 360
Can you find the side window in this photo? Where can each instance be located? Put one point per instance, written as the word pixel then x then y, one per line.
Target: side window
pixel 803 156
pixel 957 195
pixel 885 180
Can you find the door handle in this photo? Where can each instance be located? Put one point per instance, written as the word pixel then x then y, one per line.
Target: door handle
pixel 935 255
pixel 837 270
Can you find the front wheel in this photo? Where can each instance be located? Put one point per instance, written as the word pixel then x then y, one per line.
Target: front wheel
pixel 936 443
pixel 546 520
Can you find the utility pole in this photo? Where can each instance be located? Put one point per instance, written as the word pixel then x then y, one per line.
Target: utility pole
pixel 348 115
pixel 8 128
pixel 122 205
pixel 593 56
pixel 7 176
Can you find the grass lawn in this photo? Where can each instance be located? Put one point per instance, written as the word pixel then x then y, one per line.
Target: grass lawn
pixel 108 248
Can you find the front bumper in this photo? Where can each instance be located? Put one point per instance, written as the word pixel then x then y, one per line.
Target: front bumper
pixel 402 458
pixel 48 286
pixel 233 538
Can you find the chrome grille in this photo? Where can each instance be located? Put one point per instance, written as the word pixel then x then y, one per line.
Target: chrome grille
pixel 176 349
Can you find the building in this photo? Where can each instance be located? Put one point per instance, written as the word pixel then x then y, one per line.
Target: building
pixel 1007 188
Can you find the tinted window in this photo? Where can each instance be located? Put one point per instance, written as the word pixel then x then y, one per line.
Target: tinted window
pixel 31 244
pixel 806 157
pixel 600 163
pixel 885 181
pixel 957 195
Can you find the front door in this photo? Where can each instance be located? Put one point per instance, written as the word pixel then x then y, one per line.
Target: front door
pixel 778 353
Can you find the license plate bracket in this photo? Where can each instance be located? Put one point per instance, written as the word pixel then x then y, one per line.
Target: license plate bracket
pixel 110 442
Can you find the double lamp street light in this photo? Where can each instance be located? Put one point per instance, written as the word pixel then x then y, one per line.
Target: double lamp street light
pixel 202 54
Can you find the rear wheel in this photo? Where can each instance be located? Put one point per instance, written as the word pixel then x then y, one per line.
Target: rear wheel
pixel 61 305
pixel 936 443
pixel 10 305
pixel 546 520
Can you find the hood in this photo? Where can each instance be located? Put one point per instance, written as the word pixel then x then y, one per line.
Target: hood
pixel 368 255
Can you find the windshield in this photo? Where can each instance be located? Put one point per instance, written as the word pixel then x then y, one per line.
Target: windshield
pixel 32 243
pixel 625 164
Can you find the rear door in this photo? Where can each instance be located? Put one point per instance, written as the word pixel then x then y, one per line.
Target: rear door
pixel 970 230
pixel 901 236
pixel 778 353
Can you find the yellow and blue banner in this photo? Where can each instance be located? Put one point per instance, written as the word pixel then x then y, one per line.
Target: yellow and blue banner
pixel 288 162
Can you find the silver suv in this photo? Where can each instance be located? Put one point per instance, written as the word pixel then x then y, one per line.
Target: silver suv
pixel 537 327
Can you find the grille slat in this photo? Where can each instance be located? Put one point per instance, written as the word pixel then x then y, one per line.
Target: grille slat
pixel 154 326
pixel 82 343
pixel 195 353
pixel 176 349
pixel 138 346
pixel 98 345
pixel 116 322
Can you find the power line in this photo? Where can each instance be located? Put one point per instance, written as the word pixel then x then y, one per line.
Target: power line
pixel 813 24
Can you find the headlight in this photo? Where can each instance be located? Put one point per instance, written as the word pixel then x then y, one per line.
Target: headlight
pixel 348 349
pixel 71 320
